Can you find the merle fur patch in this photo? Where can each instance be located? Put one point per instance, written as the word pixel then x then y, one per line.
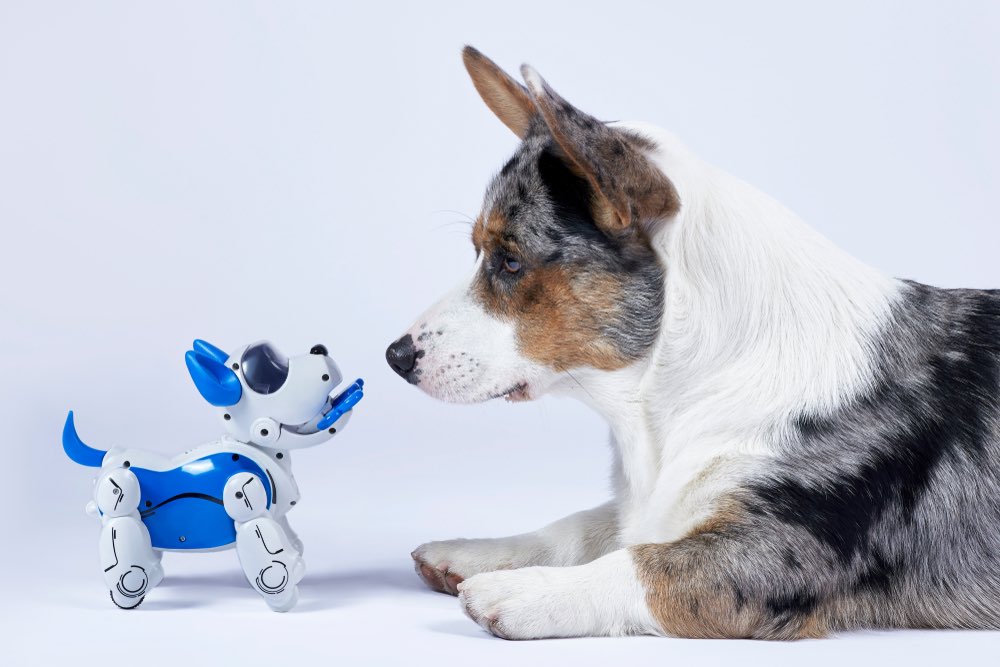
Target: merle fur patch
pixel 895 497
pixel 584 295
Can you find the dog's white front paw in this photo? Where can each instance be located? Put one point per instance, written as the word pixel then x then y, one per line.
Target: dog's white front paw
pixel 530 603
pixel 444 565
pixel 602 598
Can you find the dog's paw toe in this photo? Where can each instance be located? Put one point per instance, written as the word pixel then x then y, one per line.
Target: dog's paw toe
pixel 452 580
pixel 436 575
pixel 445 565
pixel 430 575
pixel 508 605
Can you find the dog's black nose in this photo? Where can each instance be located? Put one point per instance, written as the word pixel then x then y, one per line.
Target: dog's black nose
pixel 319 348
pixel 402 357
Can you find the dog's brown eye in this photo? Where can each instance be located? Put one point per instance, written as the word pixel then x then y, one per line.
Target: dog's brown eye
pixel 511 265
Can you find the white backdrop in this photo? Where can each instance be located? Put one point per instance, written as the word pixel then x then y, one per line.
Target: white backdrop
pixel 300 171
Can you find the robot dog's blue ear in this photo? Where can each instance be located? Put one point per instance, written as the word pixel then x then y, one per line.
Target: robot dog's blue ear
pixel 209 350
pixel 216 383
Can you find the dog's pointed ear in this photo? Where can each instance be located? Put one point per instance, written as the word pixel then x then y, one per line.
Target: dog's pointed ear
pixel 633 190
pixel 505 97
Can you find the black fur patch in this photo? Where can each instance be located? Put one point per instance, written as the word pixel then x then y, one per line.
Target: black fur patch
pixel 936 398
pixel 879 575
pixel 571 199
pixel 799 603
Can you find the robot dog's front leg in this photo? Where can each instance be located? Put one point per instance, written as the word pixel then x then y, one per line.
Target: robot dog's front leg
pixel 270 562
pixel 131 567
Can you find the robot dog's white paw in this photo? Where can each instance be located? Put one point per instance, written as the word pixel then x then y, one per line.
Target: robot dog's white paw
pixel 133 583
pixel 444 565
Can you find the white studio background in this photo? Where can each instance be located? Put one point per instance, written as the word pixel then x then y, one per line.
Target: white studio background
pixel 299 171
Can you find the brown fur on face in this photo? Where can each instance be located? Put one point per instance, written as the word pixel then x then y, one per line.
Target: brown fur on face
pixel 562 316
pixel 559 316
pixel 564 310
pixel 487 230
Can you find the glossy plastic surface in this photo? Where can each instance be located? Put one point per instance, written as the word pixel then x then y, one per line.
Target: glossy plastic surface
pixel 216 383
pixel 344 401
pixel 183 508
pixel 76 449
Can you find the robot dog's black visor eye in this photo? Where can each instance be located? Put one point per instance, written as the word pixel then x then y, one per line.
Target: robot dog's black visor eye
pixel 264 368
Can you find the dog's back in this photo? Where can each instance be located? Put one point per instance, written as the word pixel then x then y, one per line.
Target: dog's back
pixel 896 495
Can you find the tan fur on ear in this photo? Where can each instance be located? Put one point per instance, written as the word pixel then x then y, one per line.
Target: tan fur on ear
pixel 505 97
pixel 611 159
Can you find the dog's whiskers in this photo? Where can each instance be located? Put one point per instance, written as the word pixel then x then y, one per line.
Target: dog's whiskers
pixel 468 219
pixel 453 223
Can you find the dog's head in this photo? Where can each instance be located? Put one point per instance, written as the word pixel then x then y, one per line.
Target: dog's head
pixel 565 276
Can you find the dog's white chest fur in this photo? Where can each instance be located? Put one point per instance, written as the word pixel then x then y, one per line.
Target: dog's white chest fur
pixel 733 364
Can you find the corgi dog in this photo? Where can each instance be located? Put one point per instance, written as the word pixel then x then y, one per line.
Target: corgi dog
pixel 802 445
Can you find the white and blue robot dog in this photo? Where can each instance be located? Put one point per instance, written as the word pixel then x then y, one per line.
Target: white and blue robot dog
pixel 235 490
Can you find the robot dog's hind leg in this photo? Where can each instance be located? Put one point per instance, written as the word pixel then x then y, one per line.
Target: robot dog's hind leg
pixel 292 535
pixel 131 567
pixel 270 562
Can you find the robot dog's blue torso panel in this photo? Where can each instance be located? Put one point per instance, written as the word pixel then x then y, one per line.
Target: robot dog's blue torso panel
pixel 182 506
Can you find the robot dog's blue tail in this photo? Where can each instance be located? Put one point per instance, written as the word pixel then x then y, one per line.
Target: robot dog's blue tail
pixel 76 449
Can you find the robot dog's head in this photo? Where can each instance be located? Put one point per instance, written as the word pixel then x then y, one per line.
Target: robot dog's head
pixel 266 398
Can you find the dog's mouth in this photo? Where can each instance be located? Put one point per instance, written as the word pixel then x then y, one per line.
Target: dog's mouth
pixel 517 393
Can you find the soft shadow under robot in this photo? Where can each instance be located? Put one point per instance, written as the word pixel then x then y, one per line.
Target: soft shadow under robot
pixel 236 490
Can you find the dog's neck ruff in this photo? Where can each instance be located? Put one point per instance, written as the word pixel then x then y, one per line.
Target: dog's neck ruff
pixel 765 320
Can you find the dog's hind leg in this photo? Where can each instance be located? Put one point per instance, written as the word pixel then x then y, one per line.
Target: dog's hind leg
pixel 573 540
pixel 711 584
pixel 131 567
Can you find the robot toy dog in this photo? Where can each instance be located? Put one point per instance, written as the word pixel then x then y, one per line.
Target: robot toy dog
pixel 235 490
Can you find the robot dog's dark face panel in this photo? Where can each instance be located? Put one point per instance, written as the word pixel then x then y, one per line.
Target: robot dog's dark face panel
pixel 265 369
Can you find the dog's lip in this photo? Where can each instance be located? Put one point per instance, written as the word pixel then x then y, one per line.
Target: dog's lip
pixel 519 392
